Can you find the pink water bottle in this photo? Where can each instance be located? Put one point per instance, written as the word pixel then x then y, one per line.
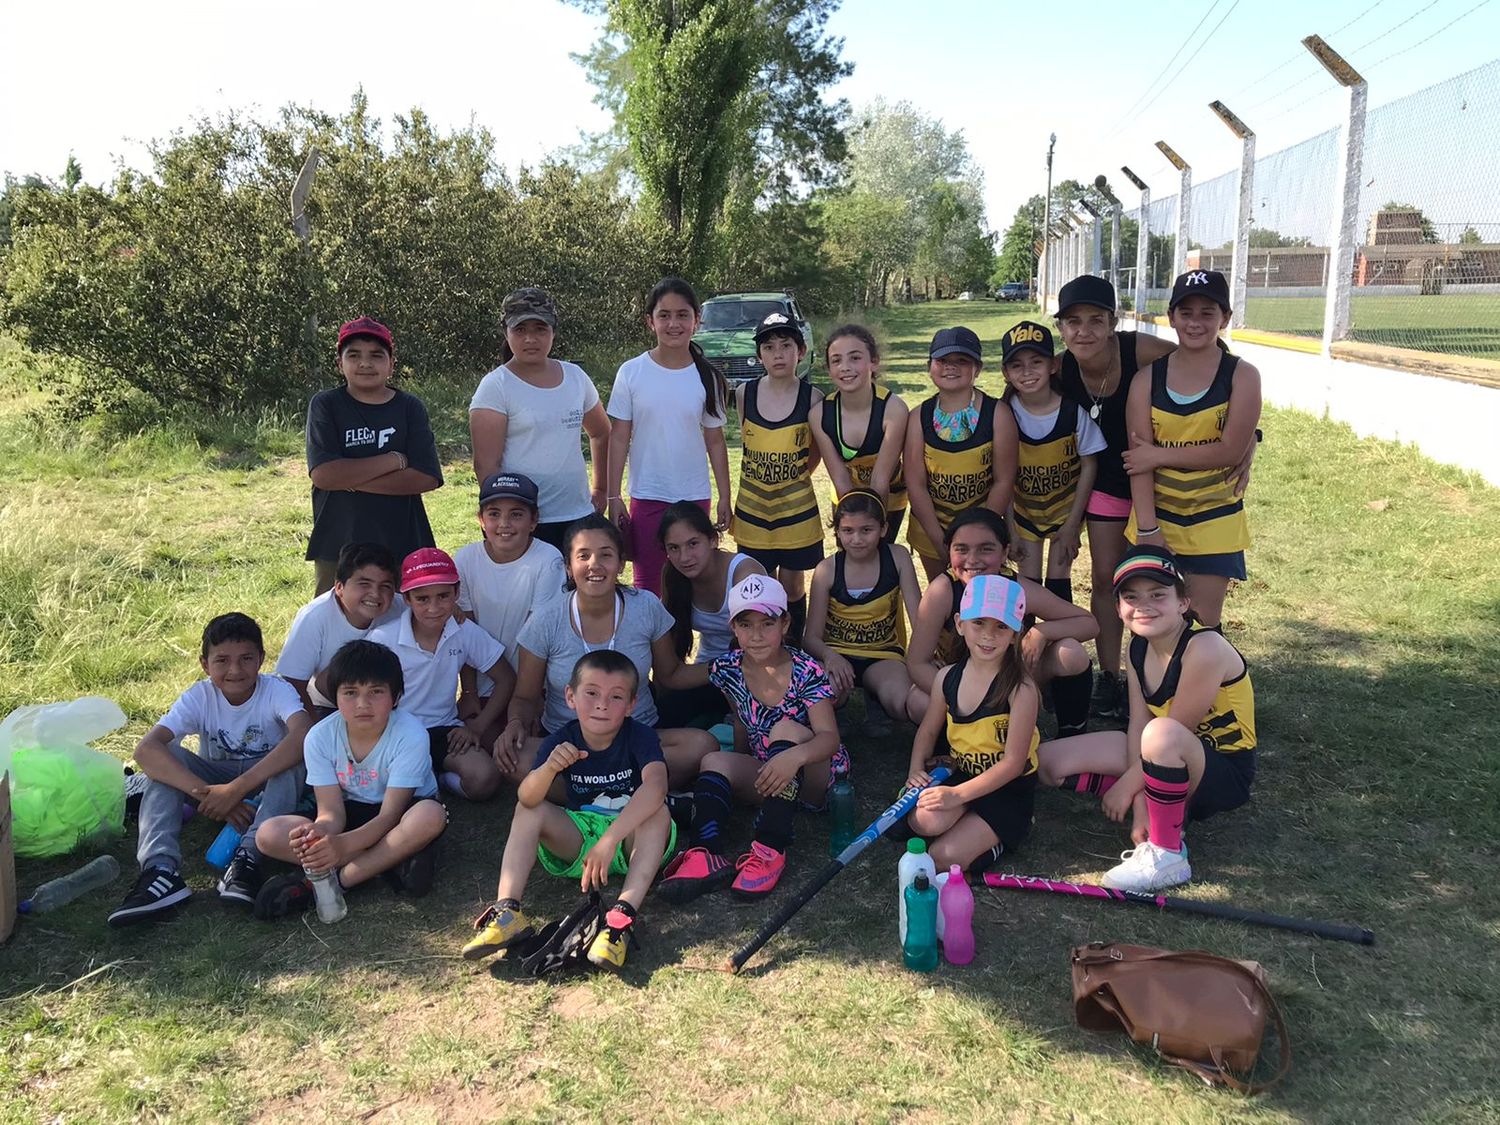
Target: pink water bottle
pixel 957 906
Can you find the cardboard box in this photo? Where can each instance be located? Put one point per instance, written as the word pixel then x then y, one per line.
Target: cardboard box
pixel 7 863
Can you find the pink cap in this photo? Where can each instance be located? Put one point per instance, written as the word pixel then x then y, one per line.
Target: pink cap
pixel 760 593
pixel 365 326
pixel 427 566
pixel 996 597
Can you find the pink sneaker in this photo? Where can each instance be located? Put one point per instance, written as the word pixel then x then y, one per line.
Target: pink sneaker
pixel 695 872
pixel 759 871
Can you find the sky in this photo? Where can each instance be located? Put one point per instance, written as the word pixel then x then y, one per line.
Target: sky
pixel 99 80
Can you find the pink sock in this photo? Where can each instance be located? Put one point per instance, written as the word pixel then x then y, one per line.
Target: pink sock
pixel 1095 783
pixel 1166 804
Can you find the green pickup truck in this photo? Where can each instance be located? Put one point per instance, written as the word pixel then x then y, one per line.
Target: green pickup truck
pixel 727 334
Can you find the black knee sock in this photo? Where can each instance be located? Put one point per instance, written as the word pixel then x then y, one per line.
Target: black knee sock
pixel 1070 701
pixel 797 611
pixel 773 824
pixel 710 809
pixel 1062 587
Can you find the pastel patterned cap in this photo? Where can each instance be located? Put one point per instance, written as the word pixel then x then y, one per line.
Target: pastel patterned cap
pixel 758 592
pixel 428 566
pixel 996 597
pixel 1148 561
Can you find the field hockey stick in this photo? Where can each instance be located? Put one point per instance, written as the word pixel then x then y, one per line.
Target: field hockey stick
pixel 903 805
pixel 1335 931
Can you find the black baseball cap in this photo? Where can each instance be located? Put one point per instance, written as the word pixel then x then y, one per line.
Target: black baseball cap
pixel 1026 335
pixel 509 486
pixel 778 324
pixel 1086 290
pixel 947 341
pixel 1200 283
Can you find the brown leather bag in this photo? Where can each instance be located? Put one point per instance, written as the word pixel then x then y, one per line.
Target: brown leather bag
pixel 1204 1013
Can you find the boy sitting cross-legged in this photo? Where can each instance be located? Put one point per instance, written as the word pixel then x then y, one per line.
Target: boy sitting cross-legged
pixel 249 728
pixel 593 806
pixel 369 767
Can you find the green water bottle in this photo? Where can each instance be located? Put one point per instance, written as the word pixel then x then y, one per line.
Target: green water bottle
pixel 843 823
pixel 920 951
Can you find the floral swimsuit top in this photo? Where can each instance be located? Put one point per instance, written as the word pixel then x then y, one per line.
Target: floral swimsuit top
pixel 809 685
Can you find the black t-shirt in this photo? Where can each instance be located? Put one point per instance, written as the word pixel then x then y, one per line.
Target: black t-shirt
pixel 1112 480
pixel 339 426
pixel 605 780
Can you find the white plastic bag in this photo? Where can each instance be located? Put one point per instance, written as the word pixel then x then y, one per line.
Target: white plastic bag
pixel 63 793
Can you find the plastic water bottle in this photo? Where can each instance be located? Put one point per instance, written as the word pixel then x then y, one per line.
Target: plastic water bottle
pixel 919 950
pixel 330 899
pixel 956 909
pixel 91 876
pixel 844 815
pixel 913 860
pixel 227 842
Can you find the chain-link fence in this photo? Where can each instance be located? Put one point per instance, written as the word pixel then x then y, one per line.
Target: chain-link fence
pixel 1426 253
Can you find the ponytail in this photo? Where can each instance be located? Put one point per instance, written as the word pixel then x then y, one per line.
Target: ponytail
pixel 715 389
pixel 676 588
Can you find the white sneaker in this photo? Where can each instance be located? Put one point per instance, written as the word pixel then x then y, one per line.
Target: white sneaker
pixel 1148 868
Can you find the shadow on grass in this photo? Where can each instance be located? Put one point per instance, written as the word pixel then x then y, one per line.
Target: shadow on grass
pixel 1375 803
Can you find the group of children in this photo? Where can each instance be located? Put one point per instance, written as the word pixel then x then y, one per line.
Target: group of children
pixel 400 681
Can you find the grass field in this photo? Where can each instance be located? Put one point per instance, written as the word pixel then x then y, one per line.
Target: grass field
pixel 1369 623
pixel 1457 324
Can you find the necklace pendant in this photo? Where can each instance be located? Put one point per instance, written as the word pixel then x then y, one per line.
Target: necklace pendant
pixel 1094 412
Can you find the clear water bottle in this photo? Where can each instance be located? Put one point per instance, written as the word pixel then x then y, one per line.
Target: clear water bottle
pixel 920 951
pixel 58 892
pixel 913 860
pixel 956 911
pixel 227 842
pixel 843 824
pixel 326 893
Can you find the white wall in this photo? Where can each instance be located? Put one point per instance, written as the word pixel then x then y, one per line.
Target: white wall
pixel 1450 421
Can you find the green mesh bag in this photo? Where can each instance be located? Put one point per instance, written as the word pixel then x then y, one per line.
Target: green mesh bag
pixel 63 793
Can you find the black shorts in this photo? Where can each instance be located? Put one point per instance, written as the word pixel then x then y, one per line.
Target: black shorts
pixel 1007 811
pixel 1225 783
pixel 437 744
pixel 413 875
pixel 689 708
pixel 799 558
pixel 1231 564
pixel 357 814
pixel 893 522
pixel 553 532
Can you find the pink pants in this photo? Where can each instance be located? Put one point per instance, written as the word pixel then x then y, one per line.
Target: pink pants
pixel 641 541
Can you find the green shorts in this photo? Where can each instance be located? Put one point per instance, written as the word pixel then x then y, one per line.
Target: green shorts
pixel 592 826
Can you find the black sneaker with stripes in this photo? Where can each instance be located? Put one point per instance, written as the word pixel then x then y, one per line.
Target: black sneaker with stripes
pixel 155 892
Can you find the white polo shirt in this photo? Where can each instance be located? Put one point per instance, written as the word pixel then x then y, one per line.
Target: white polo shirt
pixel 431 693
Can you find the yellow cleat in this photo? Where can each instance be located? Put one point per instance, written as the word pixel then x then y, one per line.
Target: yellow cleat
pixel 497 928
pixel 609 945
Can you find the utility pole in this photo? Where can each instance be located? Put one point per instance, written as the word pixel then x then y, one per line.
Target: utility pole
pixel 1045 280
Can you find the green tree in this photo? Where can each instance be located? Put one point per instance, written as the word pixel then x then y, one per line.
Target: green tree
pixel 1470 237
pixel 1017 259
pixel 1429 233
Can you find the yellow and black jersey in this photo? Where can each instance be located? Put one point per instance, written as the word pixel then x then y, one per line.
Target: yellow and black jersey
pixel 1197 510
pixel 977 741
pixel 860 461
pixel 1229 726
pixel 873 625
pixel 1047 476
pixel 960 474
pixel 775 507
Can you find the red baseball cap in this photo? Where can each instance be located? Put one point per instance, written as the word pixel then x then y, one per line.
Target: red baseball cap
pixel 366 326
pixel 428 566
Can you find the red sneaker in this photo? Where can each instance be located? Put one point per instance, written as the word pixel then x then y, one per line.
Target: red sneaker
pixel 695 872
pixel 759 871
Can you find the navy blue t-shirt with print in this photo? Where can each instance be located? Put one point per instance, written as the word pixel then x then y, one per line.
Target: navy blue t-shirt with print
pixel 340 426
pixel 605 781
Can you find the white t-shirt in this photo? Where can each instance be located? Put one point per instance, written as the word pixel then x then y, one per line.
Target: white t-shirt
pixel 550 636
pixel 667 412
pixel 318 631
pixel 542 436
pixel 1037 426
pixel 225 731
pixel 400 758
pixel 431 694
pixel 501 596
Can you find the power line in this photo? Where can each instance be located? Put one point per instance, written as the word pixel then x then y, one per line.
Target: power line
pixel 1193 56
pixel 1303 54
pixel 1398 27
pixel 1181 47
pixel 1434 35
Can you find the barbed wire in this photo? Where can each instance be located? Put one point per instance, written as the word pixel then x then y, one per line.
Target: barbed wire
pixel 1125 117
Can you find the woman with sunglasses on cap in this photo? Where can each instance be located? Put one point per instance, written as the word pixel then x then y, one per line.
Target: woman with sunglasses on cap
pixel 1097 369
pixel 1189 750
pixel 527 414
pixel 1192 425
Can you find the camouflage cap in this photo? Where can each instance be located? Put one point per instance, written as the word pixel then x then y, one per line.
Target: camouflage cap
pixel 528 304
